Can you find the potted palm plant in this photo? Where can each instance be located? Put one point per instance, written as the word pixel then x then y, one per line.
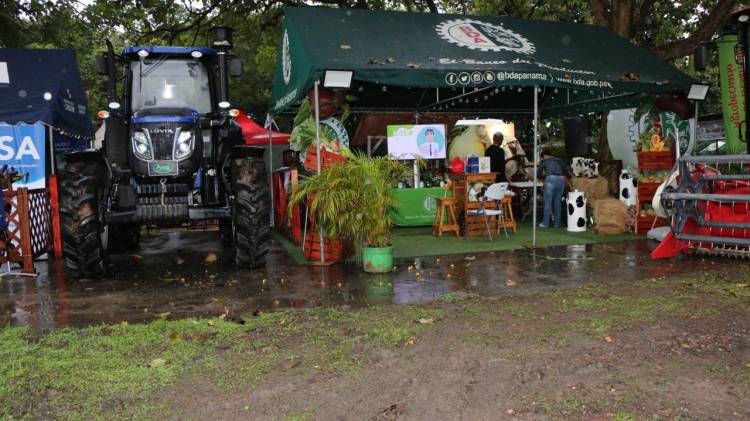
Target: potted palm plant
pixel 352 200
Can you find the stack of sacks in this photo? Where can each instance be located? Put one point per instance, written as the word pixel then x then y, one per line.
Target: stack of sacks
pixel 610 216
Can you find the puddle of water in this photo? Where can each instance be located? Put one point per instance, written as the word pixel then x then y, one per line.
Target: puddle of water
pixel 153 281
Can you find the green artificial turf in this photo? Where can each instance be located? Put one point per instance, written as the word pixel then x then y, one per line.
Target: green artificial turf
pixel 419 241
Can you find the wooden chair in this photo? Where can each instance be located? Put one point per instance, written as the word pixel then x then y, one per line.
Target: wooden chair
pixel 445 217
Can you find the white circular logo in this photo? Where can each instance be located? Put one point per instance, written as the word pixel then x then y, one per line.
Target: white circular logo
pixel 429 204
pixel 478 35
pixel 286 59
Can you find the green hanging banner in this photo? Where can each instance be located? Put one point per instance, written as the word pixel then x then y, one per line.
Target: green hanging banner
pixel 732 94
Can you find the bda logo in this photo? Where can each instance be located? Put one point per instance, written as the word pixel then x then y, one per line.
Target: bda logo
pixel 286 59
pixel 478 35
pixel 429 204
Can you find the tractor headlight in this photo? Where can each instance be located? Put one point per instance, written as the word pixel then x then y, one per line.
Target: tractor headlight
pixel 183 145
pixel 142 146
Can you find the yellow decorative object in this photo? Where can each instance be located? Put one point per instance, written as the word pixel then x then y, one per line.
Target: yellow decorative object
pixel 657 143
pixel 473 141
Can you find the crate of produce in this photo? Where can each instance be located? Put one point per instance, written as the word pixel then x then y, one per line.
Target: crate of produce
pixel 327 159
pixel 660 160
pixel 646 191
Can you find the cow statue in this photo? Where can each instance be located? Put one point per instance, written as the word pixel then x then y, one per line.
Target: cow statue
pixel 584 167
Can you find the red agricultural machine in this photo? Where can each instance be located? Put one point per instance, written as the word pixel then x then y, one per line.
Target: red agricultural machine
pixel 708 200
pixel 709 208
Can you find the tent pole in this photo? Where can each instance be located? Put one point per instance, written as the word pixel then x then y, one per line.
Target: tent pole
pixel 317 159
pixel 50 135
pixel 269 126
pixel 536 159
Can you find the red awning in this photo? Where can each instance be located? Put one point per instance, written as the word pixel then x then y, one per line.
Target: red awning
pixel 256 135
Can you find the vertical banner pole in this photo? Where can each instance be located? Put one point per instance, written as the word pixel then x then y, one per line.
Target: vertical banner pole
pixel 269 126
pixel 317 158
pixel 536 158
pixel 54 198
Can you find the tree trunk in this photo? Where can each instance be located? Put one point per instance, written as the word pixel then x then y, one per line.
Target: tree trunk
pixel 607 165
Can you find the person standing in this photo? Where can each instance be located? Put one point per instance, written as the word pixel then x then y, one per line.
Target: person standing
pixel 556 176
pixel 497 157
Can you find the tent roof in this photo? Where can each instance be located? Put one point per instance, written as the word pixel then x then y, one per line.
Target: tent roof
pixel 430 61
pixel 43 85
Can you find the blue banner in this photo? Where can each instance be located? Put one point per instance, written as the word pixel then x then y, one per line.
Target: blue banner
pixel 22 147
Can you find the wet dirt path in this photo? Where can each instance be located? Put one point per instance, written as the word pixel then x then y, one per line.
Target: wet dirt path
pixel 169 277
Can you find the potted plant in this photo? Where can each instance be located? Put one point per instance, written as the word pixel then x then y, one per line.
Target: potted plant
pixel 352 200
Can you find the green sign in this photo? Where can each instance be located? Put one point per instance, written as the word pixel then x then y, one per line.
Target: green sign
pixel 162 168
pixel 732 94
pixel 416 206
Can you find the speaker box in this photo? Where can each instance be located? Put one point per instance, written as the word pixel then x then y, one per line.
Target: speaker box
pixel 577 137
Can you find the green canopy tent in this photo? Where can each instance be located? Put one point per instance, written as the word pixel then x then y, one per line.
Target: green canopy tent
pixel 497 66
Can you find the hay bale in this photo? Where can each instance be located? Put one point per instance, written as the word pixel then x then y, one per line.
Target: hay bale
pixel 595 188
pixel 610 216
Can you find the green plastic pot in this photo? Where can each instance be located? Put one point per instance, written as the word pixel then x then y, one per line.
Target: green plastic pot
pixel 377 259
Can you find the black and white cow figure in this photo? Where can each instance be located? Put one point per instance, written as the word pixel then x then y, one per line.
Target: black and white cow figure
pixel 584 167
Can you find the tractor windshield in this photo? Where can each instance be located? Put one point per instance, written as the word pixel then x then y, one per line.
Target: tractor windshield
pixel 170 83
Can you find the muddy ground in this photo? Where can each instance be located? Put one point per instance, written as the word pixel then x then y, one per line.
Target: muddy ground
pixel 667 347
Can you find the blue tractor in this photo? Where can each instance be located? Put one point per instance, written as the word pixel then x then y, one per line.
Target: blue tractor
pixel 172 154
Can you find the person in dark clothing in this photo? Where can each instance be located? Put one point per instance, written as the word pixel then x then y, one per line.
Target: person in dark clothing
pixel 556 175
pixel 497 157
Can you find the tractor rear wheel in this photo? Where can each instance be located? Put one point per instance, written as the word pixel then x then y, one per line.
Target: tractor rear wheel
pixel 250 228
pixel 82 230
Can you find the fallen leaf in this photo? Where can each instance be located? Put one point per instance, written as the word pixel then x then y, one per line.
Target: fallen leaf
pixel 425 321
pixel 174 337
pixel 211 258
pixel 345 47
pixel 608 338
pixel 411 341
pixel 164 315
pixel 470 258
pixel 210 322
pixel 510 283
pixel 157 362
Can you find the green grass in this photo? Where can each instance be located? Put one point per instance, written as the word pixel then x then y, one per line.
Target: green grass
pixel 86 373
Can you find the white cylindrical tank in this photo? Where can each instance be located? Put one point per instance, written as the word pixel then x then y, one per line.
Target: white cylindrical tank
pixel 576 211
pixel 627 188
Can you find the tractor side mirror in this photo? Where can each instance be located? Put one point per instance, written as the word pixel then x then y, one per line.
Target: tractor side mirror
pixel 235 67
pixel 101 65
pixel 701 57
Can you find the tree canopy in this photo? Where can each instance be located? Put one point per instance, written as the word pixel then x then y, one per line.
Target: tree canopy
pixel 670 29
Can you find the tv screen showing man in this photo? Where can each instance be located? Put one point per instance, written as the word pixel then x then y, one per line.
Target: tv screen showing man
pixel 416 141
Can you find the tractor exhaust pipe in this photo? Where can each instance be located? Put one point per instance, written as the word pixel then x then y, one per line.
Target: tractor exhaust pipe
pixel 221 41
pixel 111 72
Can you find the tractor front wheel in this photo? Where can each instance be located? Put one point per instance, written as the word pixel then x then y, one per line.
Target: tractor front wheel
pixel 250 228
